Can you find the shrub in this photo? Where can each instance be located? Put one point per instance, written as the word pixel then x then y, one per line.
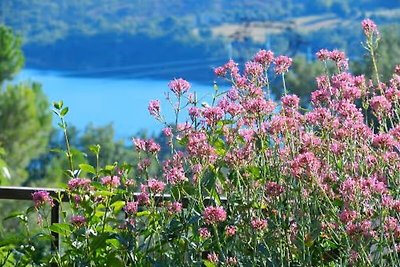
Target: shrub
pixel 250 181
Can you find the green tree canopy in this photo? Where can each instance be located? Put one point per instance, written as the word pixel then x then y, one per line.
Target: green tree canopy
pixel 25 123
pixel 25 118
pixel 11 56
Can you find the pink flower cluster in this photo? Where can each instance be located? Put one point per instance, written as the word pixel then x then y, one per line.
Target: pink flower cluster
pixel 131 207
pixel 213 215
pixel 369 27
pixel 259 224
pixel 79 183
pixel 156 186
pixel 146 145
pixel 112 181
pixel 174 207
pixel 78 220
pixel 154 108
pixel 179 86
pixel 40 198
pixel 282 64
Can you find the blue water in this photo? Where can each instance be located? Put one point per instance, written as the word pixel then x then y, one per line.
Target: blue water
pixel 122 102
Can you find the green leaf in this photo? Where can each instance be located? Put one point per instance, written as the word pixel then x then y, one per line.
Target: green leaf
pixel 95 149
pixel 61 125
pixel 143 213
pixel 64 111
pixel 99 241
pixel 11 240
pixel 56 150
pixel 18 215
pixel 208 263
pixel 118 205
pixel 58 105
pixel 87 168
pixel 219 146
pixel 61 228
pixel 113 242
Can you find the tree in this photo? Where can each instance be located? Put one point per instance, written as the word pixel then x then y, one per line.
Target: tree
pixel 11 56
pixel 301 79
pixel 25 118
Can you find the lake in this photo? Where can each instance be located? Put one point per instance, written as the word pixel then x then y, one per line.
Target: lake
pixel 122 102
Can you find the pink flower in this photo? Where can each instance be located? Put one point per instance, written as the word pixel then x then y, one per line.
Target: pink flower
pixel 167 132
pixel 259 224
pixel 112 181
pixel 383 140
pixel 380 105
pixel 397 69
pixel 41 198
pixel 174 207
pixel 230 230
pixel 173 170
pixel 214 215
pixel 78 220
pixel 131 207
pixel 156 186
pixel 212 115
pixel 194 112
pixel 264 57
pixel 323 54
pixel 143 198
pixel 306 164
pixel 282 64
pixel 369 27
pixel 220 71
pixel 152 146
pixel 154 108
pixel 198 146
pixel 337 56
pixel 179 86
pixel 213 257
pixel 259 106
pixel 254 69
pixel 140 144
pixel 231 261
pixel 354 257
pixel 144 164
pixel 366 228
pixel 79 183
pixel 290 101
pixel 274 189
pixel 204 233
pixel 347 216
pixel 233 94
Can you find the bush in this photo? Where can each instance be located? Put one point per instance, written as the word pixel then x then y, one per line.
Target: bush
pixel 250 181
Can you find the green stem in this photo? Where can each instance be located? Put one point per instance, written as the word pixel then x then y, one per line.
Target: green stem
pixel 284 84
pixel 69 154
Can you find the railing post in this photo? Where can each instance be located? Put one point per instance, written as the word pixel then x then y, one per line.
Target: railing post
pixel 55 218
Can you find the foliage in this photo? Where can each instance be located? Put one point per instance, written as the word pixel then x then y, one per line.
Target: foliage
pixel 25 120
pixel 133 37
pixel 11 57
pixel 302 80
pixel 256 183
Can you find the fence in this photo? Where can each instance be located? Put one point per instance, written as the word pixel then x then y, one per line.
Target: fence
pixel 25 193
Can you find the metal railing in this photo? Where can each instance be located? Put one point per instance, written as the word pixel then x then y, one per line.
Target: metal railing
pixel 25 193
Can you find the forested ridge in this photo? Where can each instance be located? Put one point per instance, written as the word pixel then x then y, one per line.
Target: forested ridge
pixel 105 37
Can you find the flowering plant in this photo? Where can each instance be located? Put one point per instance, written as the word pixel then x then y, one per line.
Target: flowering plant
pixel 250 181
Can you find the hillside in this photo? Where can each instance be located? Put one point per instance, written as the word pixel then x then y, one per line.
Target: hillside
pixel 109 37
